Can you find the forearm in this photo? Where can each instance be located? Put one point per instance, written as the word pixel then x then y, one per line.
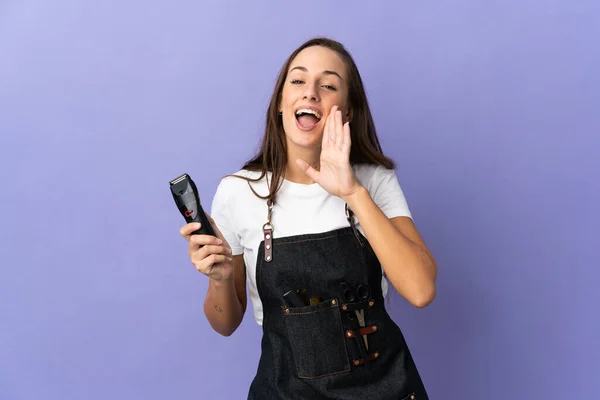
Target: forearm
pixel 222 306
pixel 408 265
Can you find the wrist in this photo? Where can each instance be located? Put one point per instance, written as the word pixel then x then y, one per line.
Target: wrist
pixel 353 200
pixel 221 283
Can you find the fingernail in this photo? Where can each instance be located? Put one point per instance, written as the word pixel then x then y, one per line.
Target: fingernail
pixel 219 241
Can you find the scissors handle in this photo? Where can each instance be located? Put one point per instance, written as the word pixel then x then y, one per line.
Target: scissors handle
pixel 363 292
pixel 349 294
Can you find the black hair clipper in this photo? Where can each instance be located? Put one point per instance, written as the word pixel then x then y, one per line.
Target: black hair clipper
pixel 186 197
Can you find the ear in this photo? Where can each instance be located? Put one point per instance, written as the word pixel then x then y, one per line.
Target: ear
pixel 349 114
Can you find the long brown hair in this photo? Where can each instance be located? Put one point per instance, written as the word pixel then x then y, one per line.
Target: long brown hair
pixel 365 149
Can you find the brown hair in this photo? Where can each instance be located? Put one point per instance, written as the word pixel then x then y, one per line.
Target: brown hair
pixel 365 149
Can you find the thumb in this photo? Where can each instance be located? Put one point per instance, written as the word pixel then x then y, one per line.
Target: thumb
pixel 308 169
pixel 216 228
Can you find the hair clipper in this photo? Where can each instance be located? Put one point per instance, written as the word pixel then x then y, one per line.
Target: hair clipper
pixel 186 198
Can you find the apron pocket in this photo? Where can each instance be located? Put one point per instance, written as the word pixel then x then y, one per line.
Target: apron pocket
pixel 316 338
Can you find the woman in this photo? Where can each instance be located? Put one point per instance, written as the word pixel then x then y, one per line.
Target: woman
pixel 314 222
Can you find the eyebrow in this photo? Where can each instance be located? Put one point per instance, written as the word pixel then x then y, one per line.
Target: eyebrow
pixel 326 72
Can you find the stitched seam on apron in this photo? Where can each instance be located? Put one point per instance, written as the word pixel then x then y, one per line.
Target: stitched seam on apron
pixel 312 312
pixel 320 376
pixel 311 240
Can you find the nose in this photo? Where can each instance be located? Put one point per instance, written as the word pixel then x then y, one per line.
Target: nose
pixel 310 93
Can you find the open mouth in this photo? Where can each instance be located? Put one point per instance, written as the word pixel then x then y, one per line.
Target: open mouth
pixel 308 118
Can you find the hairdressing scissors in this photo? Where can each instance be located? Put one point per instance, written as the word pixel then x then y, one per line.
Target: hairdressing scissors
pixel 361 294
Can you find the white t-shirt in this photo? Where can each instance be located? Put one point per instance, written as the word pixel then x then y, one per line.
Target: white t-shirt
pixel 299 209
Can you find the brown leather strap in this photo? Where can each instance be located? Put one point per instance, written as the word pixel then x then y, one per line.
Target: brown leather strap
pixel 362 305
pixel 362 331
pixel 268 233
pixel 370 357
pixel 368 329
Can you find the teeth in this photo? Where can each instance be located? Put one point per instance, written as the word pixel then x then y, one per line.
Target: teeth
pixel 308 111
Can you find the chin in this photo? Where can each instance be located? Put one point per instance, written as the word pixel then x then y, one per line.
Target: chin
pixel 305 143
pixel 305 139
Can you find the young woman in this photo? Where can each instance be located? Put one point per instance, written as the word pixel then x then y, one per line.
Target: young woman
pixel 314 224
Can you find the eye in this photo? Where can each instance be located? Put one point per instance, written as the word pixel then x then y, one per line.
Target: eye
pixel 296 81
pixel 329 87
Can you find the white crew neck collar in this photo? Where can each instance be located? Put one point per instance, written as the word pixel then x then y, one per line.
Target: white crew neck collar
pixel 301 189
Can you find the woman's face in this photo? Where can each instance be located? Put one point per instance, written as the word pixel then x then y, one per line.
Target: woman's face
pixel 316 81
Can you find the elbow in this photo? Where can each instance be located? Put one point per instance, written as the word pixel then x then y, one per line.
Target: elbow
pixel 427 289
pixel 424 297
pixel 226 332
pixel 224 327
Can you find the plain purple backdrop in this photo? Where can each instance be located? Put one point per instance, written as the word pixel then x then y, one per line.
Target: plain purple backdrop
pixel 491 109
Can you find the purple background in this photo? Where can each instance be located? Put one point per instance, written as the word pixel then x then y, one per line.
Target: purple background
pixel 492 110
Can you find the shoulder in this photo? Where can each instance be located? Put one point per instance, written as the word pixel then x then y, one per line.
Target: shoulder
pixel 240 181
pixel 239 187
pixel 372 176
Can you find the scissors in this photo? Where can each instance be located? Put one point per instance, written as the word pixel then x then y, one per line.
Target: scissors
pixel 355 326
pixel 361 294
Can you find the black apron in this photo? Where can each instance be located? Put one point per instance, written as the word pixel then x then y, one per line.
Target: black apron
pixel 315 349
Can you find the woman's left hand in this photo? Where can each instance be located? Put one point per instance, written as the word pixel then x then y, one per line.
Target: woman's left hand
pixel 336 174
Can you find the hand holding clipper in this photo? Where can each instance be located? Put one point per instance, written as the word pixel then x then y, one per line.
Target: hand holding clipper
pixel 186 198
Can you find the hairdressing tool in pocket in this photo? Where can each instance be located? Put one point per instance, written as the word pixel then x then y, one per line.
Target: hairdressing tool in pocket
pixel 303 296
pixel 361 294
pixel 355 326
pixel 315 300
pixel 292 299
pixel 186 198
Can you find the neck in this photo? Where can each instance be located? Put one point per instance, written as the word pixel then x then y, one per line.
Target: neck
pixel 293 173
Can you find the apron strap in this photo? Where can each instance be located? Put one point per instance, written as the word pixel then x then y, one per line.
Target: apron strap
pixel 268 233
pixel 350 218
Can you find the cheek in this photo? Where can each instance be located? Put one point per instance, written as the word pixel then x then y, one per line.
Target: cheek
pixel 288 121
pixel 287 96
pixel 343 100
pixel 339 99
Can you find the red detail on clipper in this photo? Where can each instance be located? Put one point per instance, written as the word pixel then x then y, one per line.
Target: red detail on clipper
pixel 189 213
